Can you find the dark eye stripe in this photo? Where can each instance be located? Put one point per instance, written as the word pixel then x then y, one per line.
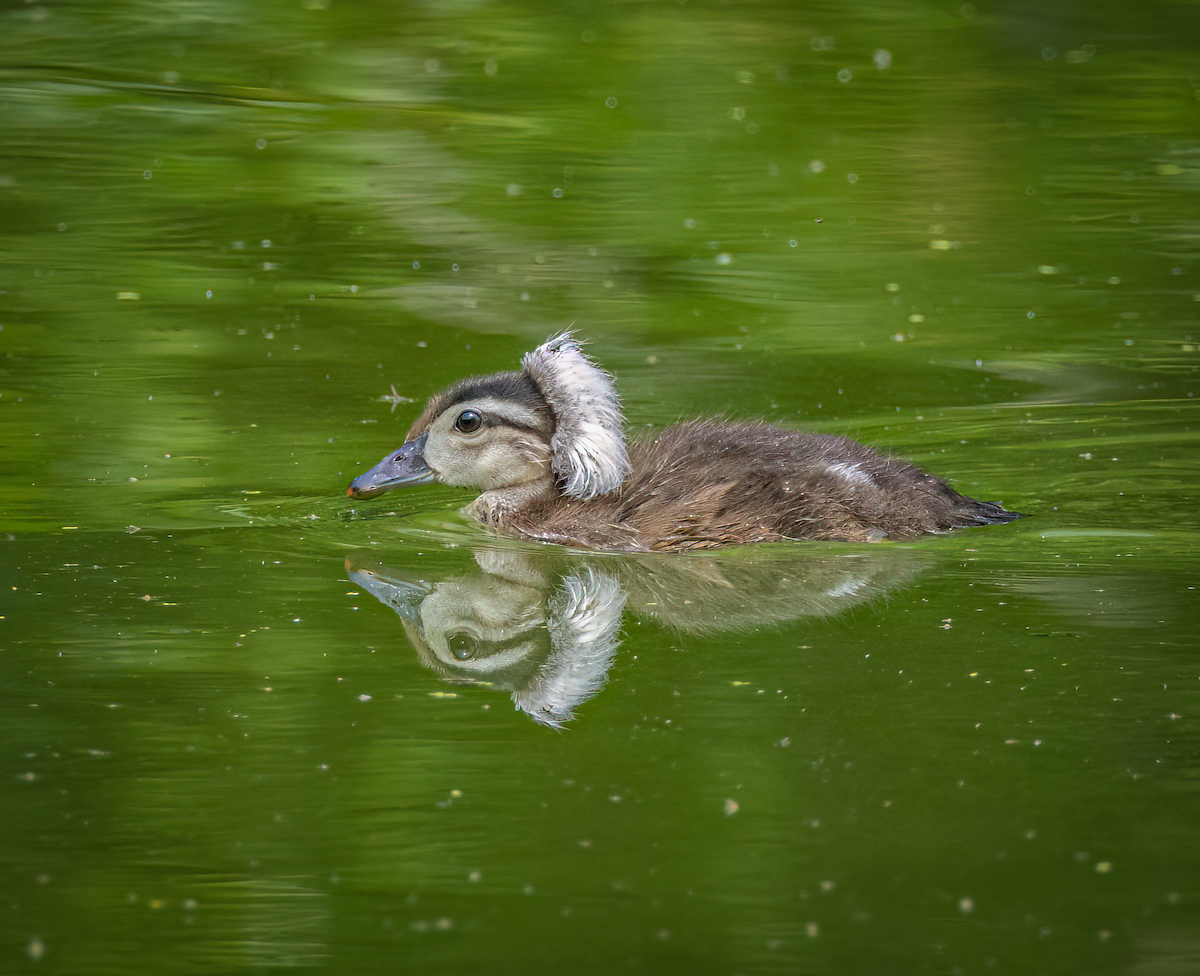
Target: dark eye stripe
pixel 492 419
pixel 517 425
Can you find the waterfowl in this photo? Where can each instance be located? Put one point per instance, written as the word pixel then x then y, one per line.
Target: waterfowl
pixel 546 446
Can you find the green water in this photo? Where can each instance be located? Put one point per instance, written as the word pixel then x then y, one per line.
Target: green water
pixel 965 233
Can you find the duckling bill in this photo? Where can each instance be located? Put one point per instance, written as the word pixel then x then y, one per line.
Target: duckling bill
pixel 546 446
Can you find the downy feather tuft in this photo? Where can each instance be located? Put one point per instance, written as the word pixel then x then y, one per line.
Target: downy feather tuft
pixel 588 446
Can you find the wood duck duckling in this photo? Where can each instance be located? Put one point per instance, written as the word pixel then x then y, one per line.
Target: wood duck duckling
pixel 546 445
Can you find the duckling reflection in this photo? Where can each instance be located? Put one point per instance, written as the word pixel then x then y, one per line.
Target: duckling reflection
pixel 509 628
pixel 546 628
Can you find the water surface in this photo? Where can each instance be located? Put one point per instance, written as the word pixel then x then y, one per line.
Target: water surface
pixel 236 235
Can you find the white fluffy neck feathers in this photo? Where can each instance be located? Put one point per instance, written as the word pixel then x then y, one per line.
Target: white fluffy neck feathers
pixel 588 446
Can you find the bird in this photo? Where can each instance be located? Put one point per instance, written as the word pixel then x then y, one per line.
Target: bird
pixel 546 447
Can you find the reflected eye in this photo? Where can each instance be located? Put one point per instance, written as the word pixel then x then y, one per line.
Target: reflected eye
pixel 468 422
pixel 462 646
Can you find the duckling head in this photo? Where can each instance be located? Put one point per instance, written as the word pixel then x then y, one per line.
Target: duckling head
pixel 554 427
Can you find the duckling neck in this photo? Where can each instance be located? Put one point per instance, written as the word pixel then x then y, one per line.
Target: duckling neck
pixel 497 506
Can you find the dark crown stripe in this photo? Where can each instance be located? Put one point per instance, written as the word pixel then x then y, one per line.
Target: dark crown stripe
pixel 502 386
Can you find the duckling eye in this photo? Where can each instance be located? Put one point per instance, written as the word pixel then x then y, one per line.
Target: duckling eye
pixel 463 646
pixel 468 422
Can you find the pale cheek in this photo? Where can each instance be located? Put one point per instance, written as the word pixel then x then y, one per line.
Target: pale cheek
pixel 487 466
pixel 503 472
pixel 475 466
pixel 451 468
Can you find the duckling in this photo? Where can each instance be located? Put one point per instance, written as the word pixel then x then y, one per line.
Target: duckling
pixel 546 446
